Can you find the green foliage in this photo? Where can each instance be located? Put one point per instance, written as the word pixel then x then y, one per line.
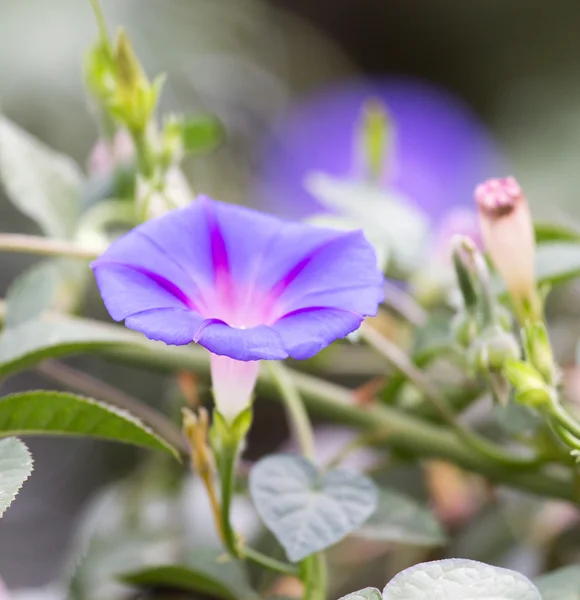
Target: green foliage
pixel 210 573
pixel 44 185
pixel 461 580
pixel 56 413
pixel 200 133
pixel 562 584
pixel 558 262
pixel 307 510
pixel 399 518
pixel 15 468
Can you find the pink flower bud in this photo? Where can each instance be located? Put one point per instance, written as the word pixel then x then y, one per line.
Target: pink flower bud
pixel 106 155
pixel 508 234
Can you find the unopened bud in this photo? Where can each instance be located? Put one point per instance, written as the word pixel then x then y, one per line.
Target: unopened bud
pixel 528 383
pixel 493 349
pixel 508 233
pixel 464 328
pixel 539 350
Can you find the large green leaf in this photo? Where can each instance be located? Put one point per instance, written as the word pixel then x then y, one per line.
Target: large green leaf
pixel 459 579
pixel 399 518
pixel 203 572
pixel 15 468
pixel 556 232
pixel 57 413
pixel 305 509
pixel 44 185
pixel 31 293
pixel 563 584
pixel 31 342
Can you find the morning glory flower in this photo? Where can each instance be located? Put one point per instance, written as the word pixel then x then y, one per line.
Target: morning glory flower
pixel 245 285
pixel 437 150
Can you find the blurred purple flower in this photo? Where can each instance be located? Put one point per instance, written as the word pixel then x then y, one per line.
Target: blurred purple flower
pixel 244 285
pixel 441 150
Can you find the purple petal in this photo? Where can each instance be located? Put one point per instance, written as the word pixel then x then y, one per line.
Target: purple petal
pixel 255 343
pixel 441 149
pixel 127 290
pixel 306 332
pixel 170 325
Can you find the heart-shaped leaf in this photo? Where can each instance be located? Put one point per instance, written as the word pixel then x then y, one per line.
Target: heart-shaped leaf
pixel 15 468
pixel 459 579
pixel 563 584
pixel 44 185
pixel 369 593
pixel 308 510
pixel 56 413
pixel 399 518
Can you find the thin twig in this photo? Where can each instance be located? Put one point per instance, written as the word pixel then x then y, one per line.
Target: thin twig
pixel 34 244
pixel 95 388
pixel 404 304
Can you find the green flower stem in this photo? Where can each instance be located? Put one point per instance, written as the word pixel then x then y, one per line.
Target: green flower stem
pixel 227 459
pixel 297 413
pixel 315 577
pixel 397 358
pixel 403 432
pixel 33 244
pixel 565 418
pixel 145 155
pixel 268 562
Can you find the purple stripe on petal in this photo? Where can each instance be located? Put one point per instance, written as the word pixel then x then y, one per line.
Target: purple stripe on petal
pixel 161 281
pixel 219 253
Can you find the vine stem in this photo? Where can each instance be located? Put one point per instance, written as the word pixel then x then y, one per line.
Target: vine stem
pixel 397 358
pixel 33 244
pixel 402 431
pixel 298 416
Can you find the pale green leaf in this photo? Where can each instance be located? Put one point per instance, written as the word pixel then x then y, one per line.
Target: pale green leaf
pixel 396 228
pixel 557 262
pixel 556 232
pixel 31 293
pixel 201 133
pixel 399 518
pixel 15 468
pixel 23 346
pixel 43 184
pixel 57 413
pixel 368 593
pixel 459 579
pixel 563 584
pixel 307 510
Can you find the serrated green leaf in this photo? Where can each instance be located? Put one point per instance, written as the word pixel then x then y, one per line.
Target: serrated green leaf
pixel 15 469
pixel 308 510
pixel 41 183
pixel 57 413
pixel 204 572
pixel 369 593
pixel 563 584
pixel 399 518
pixel 201 133
pixel 461 580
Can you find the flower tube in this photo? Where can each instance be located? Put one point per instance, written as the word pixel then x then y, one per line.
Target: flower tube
pixel 244 285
